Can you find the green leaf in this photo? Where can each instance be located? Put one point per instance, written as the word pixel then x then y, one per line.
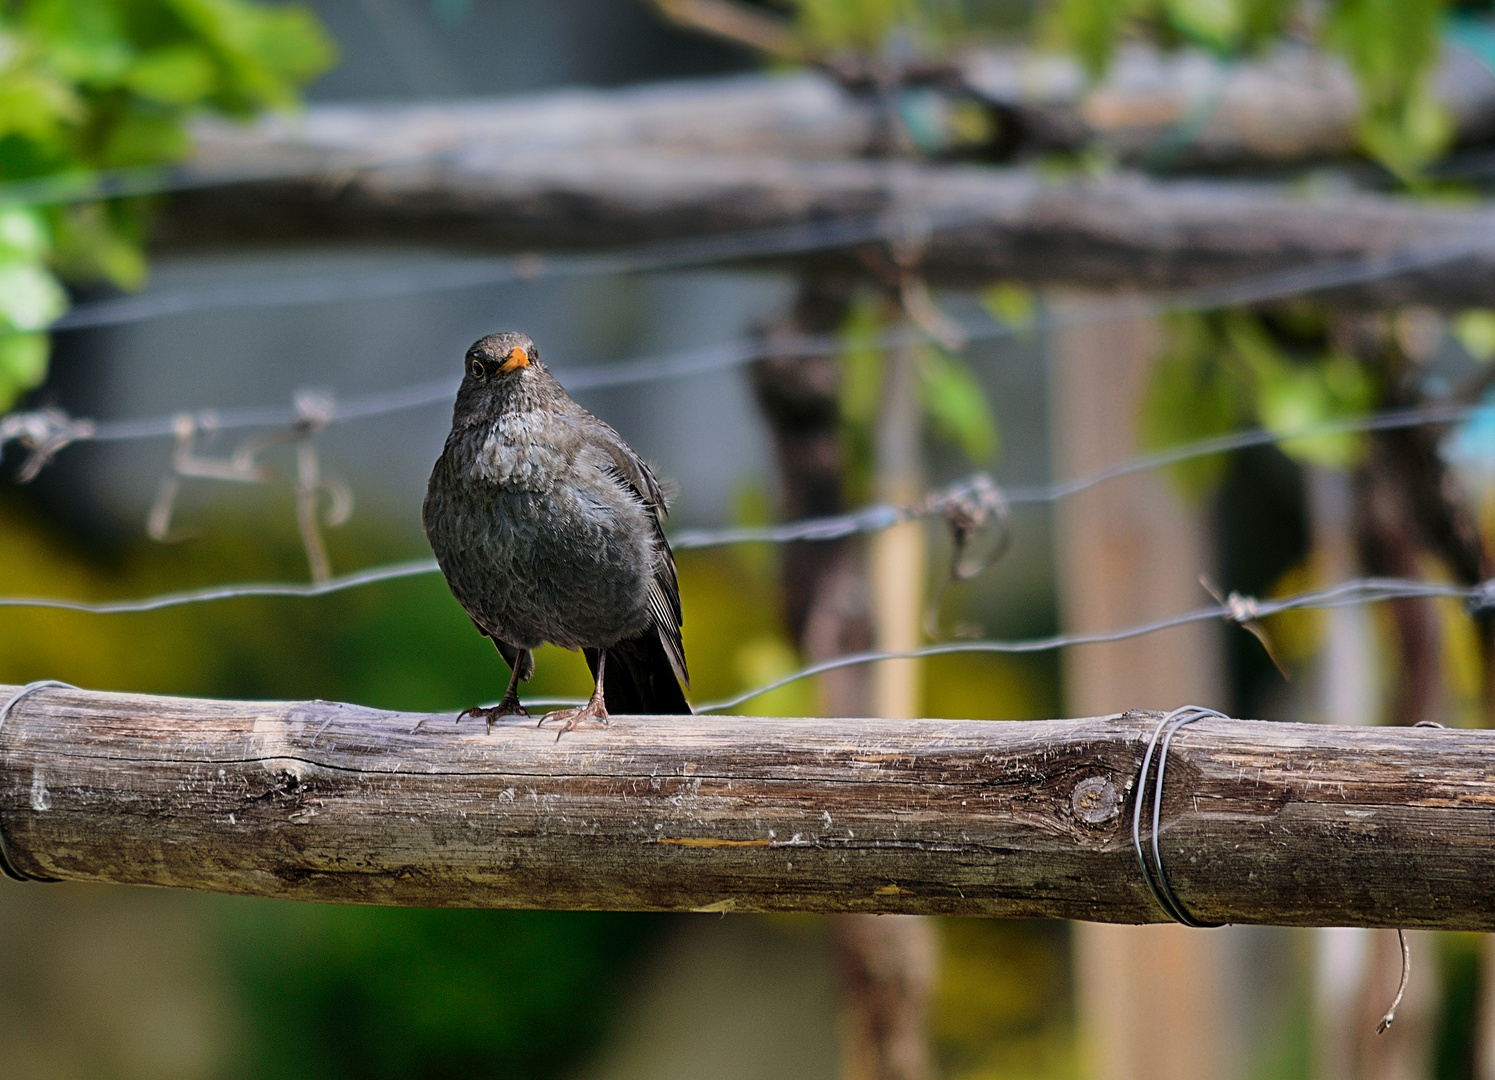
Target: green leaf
pixel 23 235
pixel 144 136
pixel 1191 395
pixel 264 51
pixel 1291 396
pixel 179 75
pixel 92 246
pixel 1091 28
pixel 30 297
pixel 85 41
pixel 1011 305
pixel 1218 24
pixel 23 365
pixel 851 24
pixel 1392 47
pixel 1475 330
pixel 92 84
pixel 36 105
pixel 956 404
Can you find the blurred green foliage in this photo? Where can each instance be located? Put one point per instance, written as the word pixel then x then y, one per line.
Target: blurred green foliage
pixel 1221 371
pixel 1003 1007
pixel 953 401
pixel 867 26
pixel 1390 46
pixel 372 993
pixel 1475 331
pixel 832 25
pixel 90 85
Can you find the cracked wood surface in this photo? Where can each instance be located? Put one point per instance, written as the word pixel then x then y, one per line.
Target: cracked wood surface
pixel 1263 822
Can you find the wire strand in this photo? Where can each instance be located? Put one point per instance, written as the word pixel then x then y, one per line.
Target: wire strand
pixel 1361 591
pixel 798 239
pixel 1357 591
pixel 867 520
pixel 473 272
pixel 451 274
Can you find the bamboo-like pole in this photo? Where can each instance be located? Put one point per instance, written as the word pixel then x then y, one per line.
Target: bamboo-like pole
pixel 1261 822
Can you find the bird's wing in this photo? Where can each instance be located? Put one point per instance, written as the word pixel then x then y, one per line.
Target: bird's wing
pixel 664 590
pixel 627 466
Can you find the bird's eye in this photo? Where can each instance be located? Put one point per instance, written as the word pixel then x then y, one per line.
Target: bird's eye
pixel 477 369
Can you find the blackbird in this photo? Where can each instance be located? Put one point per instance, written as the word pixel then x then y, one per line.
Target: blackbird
pixel 547 527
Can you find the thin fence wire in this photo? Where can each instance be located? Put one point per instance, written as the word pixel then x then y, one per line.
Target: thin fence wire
pixel 450 274
pixel 371 576
pixel 1241 610
pixel 792 240
pixel 1237 609
pixel 1345 594
pixel 866 520
pixel 1256 289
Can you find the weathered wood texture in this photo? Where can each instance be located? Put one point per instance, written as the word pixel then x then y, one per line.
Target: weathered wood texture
pixel 1270 823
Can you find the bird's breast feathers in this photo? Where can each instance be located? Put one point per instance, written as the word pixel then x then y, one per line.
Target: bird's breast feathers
pixel 522 452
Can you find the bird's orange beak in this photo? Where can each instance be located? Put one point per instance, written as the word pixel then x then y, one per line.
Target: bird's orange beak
pixel 516 359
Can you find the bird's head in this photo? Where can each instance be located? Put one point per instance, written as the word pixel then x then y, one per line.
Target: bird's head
pixel 497 371
pixel 500 356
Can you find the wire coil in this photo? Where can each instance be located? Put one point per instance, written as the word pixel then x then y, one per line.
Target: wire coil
pixel 1154 875
pixel 8 865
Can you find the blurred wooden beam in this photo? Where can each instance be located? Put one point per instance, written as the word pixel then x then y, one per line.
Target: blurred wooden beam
pixel 1263 822
pixel 984 224
pixel 601 168
pixel 1185 108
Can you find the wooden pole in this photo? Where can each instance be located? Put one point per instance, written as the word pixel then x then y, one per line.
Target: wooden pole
pixel 1150 1001
pixel 1262 822
pixel 898 553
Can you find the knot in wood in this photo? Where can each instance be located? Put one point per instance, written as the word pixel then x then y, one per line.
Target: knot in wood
pixel 1095 800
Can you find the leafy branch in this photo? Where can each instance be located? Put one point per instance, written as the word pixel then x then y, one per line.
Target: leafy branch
pixel 92 85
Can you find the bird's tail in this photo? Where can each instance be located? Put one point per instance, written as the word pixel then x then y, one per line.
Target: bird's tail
pixel 639 678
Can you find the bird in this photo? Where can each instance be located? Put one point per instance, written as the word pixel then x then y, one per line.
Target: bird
pixel 549 529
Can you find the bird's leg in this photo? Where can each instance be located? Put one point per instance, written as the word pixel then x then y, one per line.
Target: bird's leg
pixel 592 714
pixel 509 706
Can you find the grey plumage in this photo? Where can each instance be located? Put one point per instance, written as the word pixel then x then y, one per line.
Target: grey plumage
pixel 548 528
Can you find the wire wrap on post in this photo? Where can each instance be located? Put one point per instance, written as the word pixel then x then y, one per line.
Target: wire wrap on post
pixel 1153 875
pixel 8 865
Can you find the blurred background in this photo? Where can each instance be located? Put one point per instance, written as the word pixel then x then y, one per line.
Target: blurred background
pixel 1010 372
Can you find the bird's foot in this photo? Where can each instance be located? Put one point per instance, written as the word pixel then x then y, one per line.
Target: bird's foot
pixel 591 715
pixel 509 706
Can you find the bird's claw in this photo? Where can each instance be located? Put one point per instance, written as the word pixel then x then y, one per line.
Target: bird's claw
pixel 509 706
pixel 591 715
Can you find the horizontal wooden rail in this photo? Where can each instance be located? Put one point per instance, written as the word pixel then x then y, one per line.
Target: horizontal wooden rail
pixel 1262 822
pixel 598 168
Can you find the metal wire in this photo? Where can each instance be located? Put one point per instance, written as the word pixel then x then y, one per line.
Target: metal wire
pixel 1359 591
pixel 1154 875
pixel 796 239
pixel 450 274
pixel 879 517
pixel 8 864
